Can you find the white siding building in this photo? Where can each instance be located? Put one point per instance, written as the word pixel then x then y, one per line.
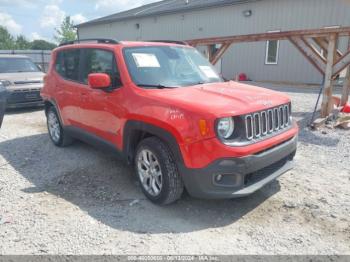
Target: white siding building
pixel 191 19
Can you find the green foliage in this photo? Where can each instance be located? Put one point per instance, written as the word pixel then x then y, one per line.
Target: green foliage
pixel 9 42
pixel 42 45
pixel 6 39
pixel 66 32
pixel 22 43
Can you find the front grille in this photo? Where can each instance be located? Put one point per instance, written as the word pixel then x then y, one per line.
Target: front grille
pixel 26 90
pixel 268 122
pixel 27 82
pixel 23 96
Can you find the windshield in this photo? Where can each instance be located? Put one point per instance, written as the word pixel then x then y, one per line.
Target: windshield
pixel 168 66
pixel 17 65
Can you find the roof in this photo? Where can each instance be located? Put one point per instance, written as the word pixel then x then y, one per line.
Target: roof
pixel 164 7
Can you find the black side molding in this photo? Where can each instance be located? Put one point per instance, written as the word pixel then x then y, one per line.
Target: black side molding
pixel 94 140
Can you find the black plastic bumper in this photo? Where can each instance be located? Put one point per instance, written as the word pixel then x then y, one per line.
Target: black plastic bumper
pixel 27 98
pixel 240 176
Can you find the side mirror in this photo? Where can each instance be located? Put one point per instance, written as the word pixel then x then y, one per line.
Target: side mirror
pixel 99 81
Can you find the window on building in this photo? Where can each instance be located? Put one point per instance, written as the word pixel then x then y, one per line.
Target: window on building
pixel 272 47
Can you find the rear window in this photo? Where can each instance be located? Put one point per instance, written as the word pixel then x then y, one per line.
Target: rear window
pixel 17 65
pixel 67 64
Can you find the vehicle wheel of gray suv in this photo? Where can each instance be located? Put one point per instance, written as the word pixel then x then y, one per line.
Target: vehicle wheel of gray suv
pixel 157 172
pixel 56 132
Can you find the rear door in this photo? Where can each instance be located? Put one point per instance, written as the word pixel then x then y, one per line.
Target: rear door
pixel 101 109
pixel 68 85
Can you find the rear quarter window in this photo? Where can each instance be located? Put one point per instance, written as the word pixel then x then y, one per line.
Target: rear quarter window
pixel 67 64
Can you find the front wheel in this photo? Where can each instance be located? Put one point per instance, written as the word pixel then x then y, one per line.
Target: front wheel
pixel 157 172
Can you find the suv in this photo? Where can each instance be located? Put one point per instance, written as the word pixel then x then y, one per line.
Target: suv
pixel 164 108
pixel 23 80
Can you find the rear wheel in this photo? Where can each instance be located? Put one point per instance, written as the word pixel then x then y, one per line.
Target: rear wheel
pixel 56 132
pixel 157 172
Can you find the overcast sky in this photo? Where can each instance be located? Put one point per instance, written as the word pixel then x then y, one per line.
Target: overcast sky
pixel 36 19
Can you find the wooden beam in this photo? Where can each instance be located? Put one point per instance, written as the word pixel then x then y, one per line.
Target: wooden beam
pixel 341 64
pixel 309 53
pixel 328 85
pixel 314 33
pixel 346 87
pixel 311 44
pixel 323 44
pixel 210 52
pixel 216 57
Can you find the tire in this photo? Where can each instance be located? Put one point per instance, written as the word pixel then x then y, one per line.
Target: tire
pixel 172 186
pixel 55 130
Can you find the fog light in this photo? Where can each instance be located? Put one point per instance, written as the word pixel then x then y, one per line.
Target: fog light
pixel 218 178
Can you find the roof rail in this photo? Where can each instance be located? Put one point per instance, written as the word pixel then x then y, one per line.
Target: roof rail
pixel 169 41
pixel 98 40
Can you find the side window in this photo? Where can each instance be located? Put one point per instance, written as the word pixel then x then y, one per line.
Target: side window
pixel 67 64
pixel 100 61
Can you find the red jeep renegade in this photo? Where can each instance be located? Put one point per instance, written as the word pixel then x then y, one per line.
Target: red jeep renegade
pixel 166 110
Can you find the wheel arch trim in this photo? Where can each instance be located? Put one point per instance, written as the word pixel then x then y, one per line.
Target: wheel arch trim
pixel 132 127
pixel 54 104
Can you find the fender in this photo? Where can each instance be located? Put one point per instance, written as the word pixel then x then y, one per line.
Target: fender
pixel 133 128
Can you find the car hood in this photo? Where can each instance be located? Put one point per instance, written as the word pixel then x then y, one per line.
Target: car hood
pixel 22 76
pixel 222 99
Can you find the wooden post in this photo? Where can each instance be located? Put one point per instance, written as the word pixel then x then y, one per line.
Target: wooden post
pixel 346 87
pixel 216 57
pixel 210 52
pixel 326 108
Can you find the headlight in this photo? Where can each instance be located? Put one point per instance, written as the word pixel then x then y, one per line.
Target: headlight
pixel 2 87
pixel 5 83
pixel 225 127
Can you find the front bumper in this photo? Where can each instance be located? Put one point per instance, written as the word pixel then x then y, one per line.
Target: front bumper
pixel 24 98
pixel 240 176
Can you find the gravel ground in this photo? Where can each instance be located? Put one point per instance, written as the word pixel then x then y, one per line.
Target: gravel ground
pixel 79 200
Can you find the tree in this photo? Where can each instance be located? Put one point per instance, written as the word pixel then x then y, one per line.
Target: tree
pixel 6 39
pixel 9 42
pixel 66 32
pixel 42 45
pixel 22 43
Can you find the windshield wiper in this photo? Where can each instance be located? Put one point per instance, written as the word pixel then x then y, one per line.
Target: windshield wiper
pixel 157 86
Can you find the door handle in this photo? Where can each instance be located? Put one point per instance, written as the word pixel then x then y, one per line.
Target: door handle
pixel 83 96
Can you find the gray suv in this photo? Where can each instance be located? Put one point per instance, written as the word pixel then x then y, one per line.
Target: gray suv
pixel 23 80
